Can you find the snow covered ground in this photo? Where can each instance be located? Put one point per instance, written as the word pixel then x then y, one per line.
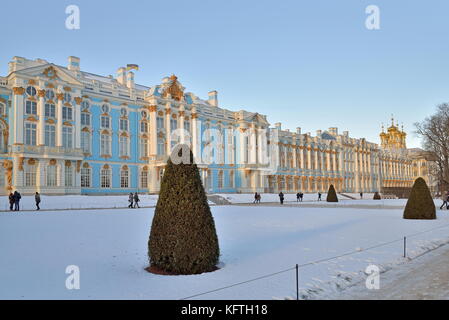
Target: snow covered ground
pixel 110 248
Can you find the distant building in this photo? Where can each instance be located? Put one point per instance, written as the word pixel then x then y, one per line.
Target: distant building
pixel 66 131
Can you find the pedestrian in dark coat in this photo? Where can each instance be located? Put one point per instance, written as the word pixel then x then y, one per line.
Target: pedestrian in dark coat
pixel 301 195
pixel 37 198
pixel 11 201
pixel 17 198
pixel 130 200
pixel 136 200
pixel 361 195
pixel 258 198
pixel 298 195
pixel 319 196
pixel 281 197
pixel 255 198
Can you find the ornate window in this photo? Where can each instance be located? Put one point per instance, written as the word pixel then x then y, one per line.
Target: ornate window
pixel 161 146
pixel 67 137
pixel 173 124
pixel 124 146
pixel 105 122
pixel 30 175
pixel 67 113
pixel 144 178
pixel 85 141
pixel 105 108
pixel 143 147
pixel 124 177
pixel 2 109
pixel 67 97
pixel 85 177
pixel 85 105
pixel 124 112
pixel 85 119
pixel 187 126
pixel 52 177
pixel 220 179
pixel 144 114
pixel 105 177
pixel 31 91
pixel 105 144
pixel 50 135
pixel 123 125
pixel 50 94
pixel 30 133
pixel 68 175
pixel 50 110
pixel 31 107
pixel 144 127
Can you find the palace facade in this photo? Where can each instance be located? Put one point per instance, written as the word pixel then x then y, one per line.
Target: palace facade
pixel 66 131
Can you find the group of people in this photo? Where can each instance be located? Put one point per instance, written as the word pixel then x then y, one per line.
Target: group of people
pixel 257 197
pixel 133 200
pixel 14 200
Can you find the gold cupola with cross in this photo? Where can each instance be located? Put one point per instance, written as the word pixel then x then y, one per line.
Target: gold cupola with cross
pixel 393 138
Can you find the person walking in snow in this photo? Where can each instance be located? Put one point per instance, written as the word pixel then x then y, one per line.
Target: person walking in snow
pixel 258 198
pixel 130 200
pixel 136 200
pixel 319 196
pixel 301 195
pixel 37 198
pixel 298 195
pixel 17 198
pixel 281 197
pixel 361 195
pixel 11 201
pixel 255 197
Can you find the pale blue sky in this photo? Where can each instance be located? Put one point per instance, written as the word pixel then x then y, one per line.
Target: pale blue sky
pixel 308 63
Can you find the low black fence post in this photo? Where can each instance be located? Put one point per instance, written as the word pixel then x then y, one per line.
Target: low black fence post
pixel 297 282
pixel 405 247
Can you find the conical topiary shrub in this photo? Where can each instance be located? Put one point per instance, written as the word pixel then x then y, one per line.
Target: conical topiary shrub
pixel 377 196
pixel 183 238
pixel 420 204
pixel 331 194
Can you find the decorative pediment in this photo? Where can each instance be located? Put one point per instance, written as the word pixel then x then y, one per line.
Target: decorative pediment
pixel 52 73
pixel 174 89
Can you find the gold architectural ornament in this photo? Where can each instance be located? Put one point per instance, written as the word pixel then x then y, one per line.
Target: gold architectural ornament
pixel 160 113
pixel 194 116
pixel 52 162
pixel 50 121
pixel 167 111
pixel 124 134
pixel 31 162
pixel 67 124
pixel 50 73
pixel 181 113
pixel 125 167
pixel 20 166
pixel 86 165
pixel 78 165
pixel 68 163
pixel 50 85
pixel 67 104
pixel 186 118
pixel 41 93
pixel 32 82
pixel 32 119
pixel 78 100
pixel 105 132
pixel 174 116
pixel 85 129
pixel 67 89
pixel 60 96
pixel 106 166
pixel 31 98
pixel 394 138
pixel 18 91
pixel 8 165
pixel 152 108
pixel 174 89
pixel 145 168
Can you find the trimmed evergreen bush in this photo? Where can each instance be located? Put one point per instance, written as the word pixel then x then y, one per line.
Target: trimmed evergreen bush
pixel 183 238
pixel 377 196
pixel 331 194
pixel 420 204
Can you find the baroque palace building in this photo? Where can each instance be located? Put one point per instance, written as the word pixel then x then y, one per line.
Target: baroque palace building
pixel 66 131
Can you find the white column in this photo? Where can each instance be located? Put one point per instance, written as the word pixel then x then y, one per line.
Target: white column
pixel 167 127
pixel 41 114
pixel 196 142
pixel 60 97
pixel 78 123
pixel 253 142
pixel 181 125
pixel 18 105
pixel 153 133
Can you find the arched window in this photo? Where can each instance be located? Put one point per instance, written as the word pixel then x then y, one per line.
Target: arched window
pixel 67 113
pixel 68 174
pixel 220 179
pixel 50 135
pixel 85 141
pixel 31 91
pixel 144 177
pixel 160 146
pixel 50 110
pixel 52 175
pixel 85 176
pixel 143 147
pixel 105 144
pixel 124 146
pixel 124 177
pixel 30 174
pixel 105 177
